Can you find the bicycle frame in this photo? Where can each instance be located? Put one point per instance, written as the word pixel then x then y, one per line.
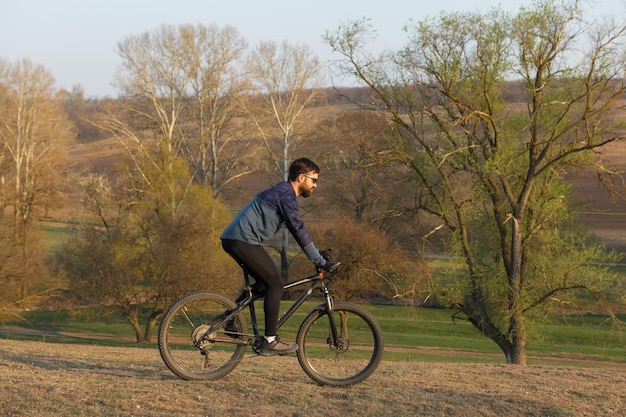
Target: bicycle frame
pixel 317 282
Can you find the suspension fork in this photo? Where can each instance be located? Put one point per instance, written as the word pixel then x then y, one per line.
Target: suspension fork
pixel 330 312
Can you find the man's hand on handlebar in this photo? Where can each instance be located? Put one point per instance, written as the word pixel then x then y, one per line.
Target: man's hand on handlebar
pixel 331 265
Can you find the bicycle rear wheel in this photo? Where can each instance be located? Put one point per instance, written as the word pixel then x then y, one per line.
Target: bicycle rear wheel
pixel 359 350
pixel 187 349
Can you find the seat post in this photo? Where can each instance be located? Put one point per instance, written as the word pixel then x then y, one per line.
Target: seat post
pixel 248 291
pixel 246 277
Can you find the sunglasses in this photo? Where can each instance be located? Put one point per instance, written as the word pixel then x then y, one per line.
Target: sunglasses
pixel 311 178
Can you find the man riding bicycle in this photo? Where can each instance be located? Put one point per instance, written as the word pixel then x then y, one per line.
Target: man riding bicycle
pixel 261 219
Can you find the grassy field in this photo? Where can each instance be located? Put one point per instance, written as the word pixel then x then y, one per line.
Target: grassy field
pixel 52 379
pixel 411 334
pixel 85 363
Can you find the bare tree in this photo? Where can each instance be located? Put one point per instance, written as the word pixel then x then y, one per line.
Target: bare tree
pixel 34 135
pixel 491 172
pixel 357 142
pixel 217 146
pixel 287 79
pixel 180 94
pixel 153 80
pixel 182 89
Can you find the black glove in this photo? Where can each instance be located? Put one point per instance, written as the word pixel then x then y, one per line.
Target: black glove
pixel 331 265
pixel 326 255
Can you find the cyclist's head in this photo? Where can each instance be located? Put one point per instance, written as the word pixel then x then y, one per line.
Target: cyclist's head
pixel 302 166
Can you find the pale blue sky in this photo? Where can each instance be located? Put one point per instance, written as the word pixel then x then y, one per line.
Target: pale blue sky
pixel 76 39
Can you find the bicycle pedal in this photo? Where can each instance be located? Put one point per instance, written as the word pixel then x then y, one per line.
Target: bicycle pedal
pixel 256 344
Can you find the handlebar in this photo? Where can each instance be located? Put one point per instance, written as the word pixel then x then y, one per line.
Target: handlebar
pixel 333 269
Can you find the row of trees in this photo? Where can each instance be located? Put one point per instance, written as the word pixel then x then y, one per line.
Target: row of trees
pixel 195 87
pixel 483 174
pixel 191 122
pixel 189 118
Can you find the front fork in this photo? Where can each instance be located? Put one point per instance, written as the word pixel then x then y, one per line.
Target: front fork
pixel 334 340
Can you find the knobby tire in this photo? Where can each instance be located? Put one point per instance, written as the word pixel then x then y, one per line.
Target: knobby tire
pixel 358 355
pixel 189 317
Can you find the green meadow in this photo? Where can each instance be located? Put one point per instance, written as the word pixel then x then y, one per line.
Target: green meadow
pixel 411 334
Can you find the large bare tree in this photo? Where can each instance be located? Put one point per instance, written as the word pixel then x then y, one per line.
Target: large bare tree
pixel 217 141
pixel 34 136
pixel 489 170
pixel 176 118
pixel 181 91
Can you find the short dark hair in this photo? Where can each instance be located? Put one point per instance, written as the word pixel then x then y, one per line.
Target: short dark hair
pixel 302 166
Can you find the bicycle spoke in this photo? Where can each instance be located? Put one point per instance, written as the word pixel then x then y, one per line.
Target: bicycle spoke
pixel 185 344
pixel 349 359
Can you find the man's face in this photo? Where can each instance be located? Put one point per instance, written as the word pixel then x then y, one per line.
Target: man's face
pixel 308 184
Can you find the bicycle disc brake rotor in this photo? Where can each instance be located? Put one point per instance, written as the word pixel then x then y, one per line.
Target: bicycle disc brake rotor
pixel 342 345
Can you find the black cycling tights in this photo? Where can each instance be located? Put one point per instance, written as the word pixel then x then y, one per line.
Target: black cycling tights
pixel 262 268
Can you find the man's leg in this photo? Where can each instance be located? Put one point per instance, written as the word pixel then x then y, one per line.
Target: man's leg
pixel 261 266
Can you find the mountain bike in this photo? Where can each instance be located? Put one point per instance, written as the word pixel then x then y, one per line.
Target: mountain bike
pixel 204 335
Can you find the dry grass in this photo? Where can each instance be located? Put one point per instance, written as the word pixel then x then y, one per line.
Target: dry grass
pixel 42 379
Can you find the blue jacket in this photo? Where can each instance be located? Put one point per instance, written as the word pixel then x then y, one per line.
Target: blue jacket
pixel 265 214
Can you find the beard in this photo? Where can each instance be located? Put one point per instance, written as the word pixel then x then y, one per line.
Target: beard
pixel 306 192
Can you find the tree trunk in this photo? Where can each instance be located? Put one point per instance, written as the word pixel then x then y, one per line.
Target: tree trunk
pixel 517 323
pixel 517 354
pixel 284 261
pixel 152 321
pixel 133 319
pixel 514 348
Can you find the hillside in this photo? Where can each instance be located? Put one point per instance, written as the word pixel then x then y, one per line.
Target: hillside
pixel 604 215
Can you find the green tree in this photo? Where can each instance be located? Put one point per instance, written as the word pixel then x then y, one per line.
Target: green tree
pixel 135 249
pixel 491 172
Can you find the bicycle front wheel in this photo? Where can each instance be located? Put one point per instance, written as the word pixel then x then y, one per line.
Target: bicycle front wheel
pixel 188 348
pixel 354 356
